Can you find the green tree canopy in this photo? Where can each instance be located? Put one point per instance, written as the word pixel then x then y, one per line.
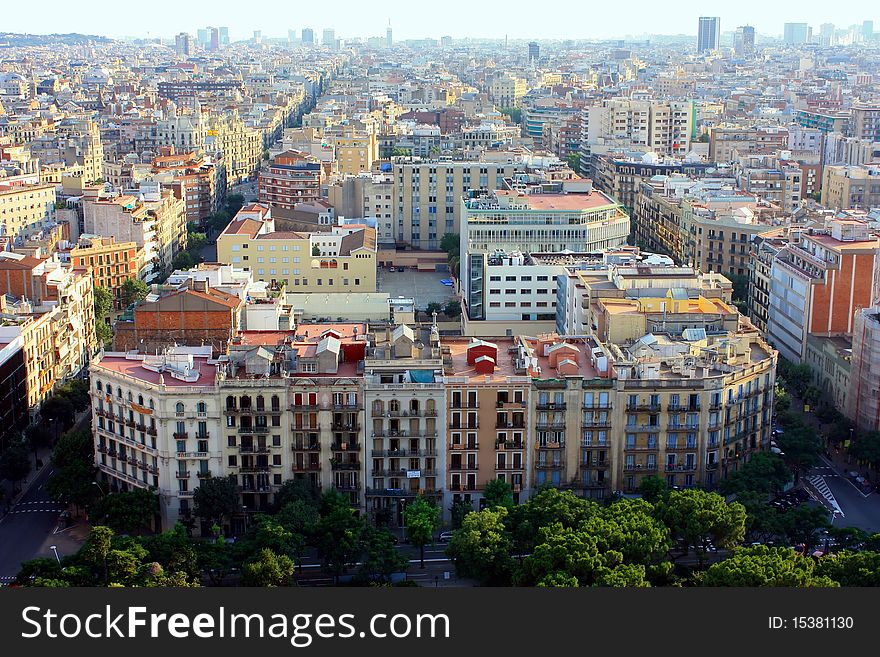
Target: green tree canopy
pixel 73 461
pixel 337 535
pixel 128 512
pixel 653 488
pixel 379 558
pixel 103 303
pixel 58 408
pixel 851 568
pixel 698 517
pixel 482 548
pixel 182 260
pixel 765 566
pixel 498 493
pixel 15 461
pixel 452 308
pixel 268 569
pixel 422 519
pixel 216 498
pixel 800 449
pixel 133 290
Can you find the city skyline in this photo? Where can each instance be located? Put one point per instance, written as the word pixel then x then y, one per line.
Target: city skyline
pixel 597 23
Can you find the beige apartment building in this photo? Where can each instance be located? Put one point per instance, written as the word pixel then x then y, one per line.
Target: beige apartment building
pixel 26 209
pixel 851 187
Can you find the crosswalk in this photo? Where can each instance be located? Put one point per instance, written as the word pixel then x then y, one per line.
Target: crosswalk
pixel 818 482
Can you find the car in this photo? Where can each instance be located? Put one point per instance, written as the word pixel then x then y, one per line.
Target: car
pixel 391 269
pixel 447 282
pixel 445 537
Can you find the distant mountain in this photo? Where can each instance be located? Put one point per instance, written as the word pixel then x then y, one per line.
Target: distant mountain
pixel 10 40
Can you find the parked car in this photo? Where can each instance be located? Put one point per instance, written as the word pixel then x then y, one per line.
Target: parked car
pixel 445 537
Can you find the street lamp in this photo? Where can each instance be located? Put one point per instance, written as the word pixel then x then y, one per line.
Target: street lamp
pixel 244 511
pixel 54 549
pixel 95 483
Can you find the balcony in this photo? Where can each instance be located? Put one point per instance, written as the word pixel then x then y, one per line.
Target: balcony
pixel 306 467
pixel 510 405
pixel 151 431
pixel 549 445
pixel 345 447
pixel 308 446
pixel 597 407
pixel 464 427
pixel 597 424
pixel 464 404
pixel 510 444
pixel 641 448
pixel 203 436
pixel 347 407
pixel 682 427
pixel 641 406
pixel 594 465
pixel 193 455
pixel 551 406
pixel 413 413
pixel 382 433
pixel 509 466
pixel 181 436
pixel 639 467
pixel 348 488
pixel 468 467
pixel 344 465
pixel 354 428
pixel 377 453
pixel 464 446
pixel 182 474
pixel 548 466
pixel 254 468
pixel 204 475
pixel 256 429
pixel 550 425
pixel 682 446
pixel 458 488
pixel 401 492
pixel 130 423
pixel 509 425
pixel 681 467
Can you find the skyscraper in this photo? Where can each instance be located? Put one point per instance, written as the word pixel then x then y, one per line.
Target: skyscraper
pixel 826 34
pixel 202 38
pixel 709 33
pixel 534 52
pixel 308 36
pixel 224 36
pixel 183 44
pixel 215 39
pixel 329 38
pixel 291 36
pixel 388 40
pixel 258 37
pixel 744 41
pixel 868 30
pixel 795 34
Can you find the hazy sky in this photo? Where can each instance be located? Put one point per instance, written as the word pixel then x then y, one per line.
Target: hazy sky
pixel 519 19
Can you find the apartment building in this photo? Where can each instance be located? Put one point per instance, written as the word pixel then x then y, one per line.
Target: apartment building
pixel 818 282
pixel 26 209
pixel 154 220
pixel 157 423
pixel 428 197
pixel 487 418
pixel 405 400
pixel 771 179
pixel 240 146
pixel 291 178
pixel 727 143
pixel 863 395
pixel 851 187
pixel 111 263
pixel 342 259
pixel 568 216
pixel 366 195
pixel 507 90
pixel 355 151
pixel 660 126
pixel 195 179
pixel 764 249
pixel 192 314
pixel 865 122
pixel 51 311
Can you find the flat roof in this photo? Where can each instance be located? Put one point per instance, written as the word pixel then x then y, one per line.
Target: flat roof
pixel 134 368
pixel 458 347
pixel 567 202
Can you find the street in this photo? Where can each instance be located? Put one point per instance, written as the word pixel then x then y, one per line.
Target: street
pixel 26 531
pixel 835 491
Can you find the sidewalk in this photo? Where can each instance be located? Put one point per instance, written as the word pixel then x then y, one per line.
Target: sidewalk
pixel 9 502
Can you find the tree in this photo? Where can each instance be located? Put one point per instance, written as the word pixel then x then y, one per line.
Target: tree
pixel 380 558
pixel 216 498
pixel 73 462
pixel 482 548
pixel 133 290
pixel 215 559
pixel 15 462
pixel 234 203
pixel 195 242
pixel 103 303
pixel 77 392
pixel 574 161
pixel 498 493
pixel 548 506
pixel 422 519
pixel 800 448
pixel 653 488
pixel 434 307
pixel 851 568
pixel 802 524
pixel 452 308
pixel 337 535
pixel 96 550
pixel 128 512
pixel 763 473
pixel 514 113
pixel 103 333
pixel 451 243
pixel 58 409
pixel 38 437
pixel 316 250
pixel 296 490
pixel 867 448
pixel 699 517
pixel 219 220
pixel 458 511
pixel 765 566
pixel 268 569
pixel 182 260
pixel 740 286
